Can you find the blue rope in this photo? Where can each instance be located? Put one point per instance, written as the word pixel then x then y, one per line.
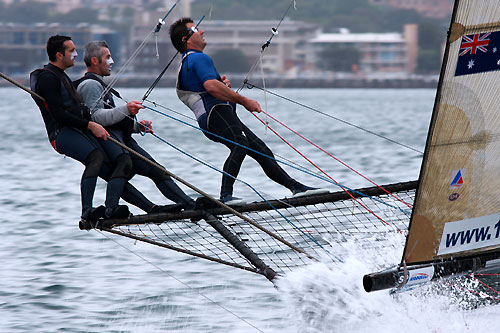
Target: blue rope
pixel 282 162
pixel 250 186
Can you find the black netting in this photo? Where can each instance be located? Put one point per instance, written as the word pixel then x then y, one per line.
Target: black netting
pixel 311 224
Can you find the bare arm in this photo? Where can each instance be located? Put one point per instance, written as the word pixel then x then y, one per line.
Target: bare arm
pixel 221 91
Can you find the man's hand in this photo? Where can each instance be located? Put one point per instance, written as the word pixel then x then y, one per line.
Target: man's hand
pixel 251 105
pixel 99 131
pixel 133 107
pixel 146 126
pixel 226 81
pixel 221 91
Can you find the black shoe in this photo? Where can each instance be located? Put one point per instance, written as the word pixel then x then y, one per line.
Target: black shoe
pixel 300 189
pixel 228 199
pixel 92 214
pixel 205 203
pixel 117 212
pixel 190 205
pixel 175 208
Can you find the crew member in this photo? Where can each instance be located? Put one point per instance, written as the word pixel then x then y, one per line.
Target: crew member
pixel 120 122
pixel 210 97
pixel 71 130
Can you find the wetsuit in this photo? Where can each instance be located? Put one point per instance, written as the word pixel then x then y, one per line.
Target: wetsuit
pixel 220 118
pixel 66 120
pixel 120 125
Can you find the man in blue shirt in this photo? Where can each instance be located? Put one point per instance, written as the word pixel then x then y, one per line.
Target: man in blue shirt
pixel 210 97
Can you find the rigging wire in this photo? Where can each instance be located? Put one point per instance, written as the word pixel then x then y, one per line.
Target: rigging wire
pixel 223 172
pixel 158 78
pixel 252 188
pixel 296 150
pixel 284 163
pixel 134 55
pixel 329 154
pixel 250 86
pixel 267 43
pixel 156 104
pixel 179 280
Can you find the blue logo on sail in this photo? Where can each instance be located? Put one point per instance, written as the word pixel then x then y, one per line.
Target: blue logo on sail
pixel 458 179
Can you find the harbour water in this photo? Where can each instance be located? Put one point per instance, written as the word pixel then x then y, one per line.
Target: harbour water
pixel 56 278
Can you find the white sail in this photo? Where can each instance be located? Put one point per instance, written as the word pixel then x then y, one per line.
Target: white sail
pixel 457 205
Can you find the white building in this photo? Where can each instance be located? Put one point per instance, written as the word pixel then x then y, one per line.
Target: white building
pixel 380 52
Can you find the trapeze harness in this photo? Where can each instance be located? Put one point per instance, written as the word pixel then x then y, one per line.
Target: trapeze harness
pixel 70 99
pixel 122 132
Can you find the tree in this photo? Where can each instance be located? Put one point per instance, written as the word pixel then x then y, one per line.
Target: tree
pixel 339 58
pixel 431 40
pixel 230 61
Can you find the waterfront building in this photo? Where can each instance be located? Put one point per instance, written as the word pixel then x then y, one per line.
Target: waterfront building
pixel 394 53
pixel 23 46
pixel 428 8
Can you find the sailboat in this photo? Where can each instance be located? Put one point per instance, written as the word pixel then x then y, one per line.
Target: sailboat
pixel 455 222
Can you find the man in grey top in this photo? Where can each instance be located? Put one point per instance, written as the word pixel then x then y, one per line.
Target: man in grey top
pixel 121 123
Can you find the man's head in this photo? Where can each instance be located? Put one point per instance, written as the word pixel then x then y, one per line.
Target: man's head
pixel 97 58
pixel 61 51
pixel 184 35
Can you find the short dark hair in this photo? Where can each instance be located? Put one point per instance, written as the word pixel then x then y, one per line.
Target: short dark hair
pixel 56 44
pixel 93 49
pixel 178 30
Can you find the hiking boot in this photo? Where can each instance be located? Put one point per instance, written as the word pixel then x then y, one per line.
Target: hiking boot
pixel 300 190
pixel 117 212
pixel 202 203
pixel 92 214
pixel 190 205
pixel 157 209
pixel 228 199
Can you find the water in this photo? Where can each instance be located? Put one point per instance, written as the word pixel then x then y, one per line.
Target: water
pixel 55 277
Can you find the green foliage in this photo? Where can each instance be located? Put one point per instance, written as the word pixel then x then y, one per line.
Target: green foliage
pixel 230 61
pixel 339 58
pixel 431 38
pixel 429 61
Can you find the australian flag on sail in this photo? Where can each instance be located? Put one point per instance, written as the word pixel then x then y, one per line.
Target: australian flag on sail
pixel 479 53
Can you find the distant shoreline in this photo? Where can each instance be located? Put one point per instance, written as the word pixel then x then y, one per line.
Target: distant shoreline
pixel 141 81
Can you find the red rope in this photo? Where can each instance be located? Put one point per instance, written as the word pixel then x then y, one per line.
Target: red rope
pixel 291 146
pixel 484 284
pixel 335 158
pixel 469 290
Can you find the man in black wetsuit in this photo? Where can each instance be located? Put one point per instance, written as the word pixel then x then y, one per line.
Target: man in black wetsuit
pixel 120 123
pixel 210 97
pixel 71 130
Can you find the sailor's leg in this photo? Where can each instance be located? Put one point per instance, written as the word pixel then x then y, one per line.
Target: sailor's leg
pixel 133 196
pixel 121 169
pixel 164 183
pixel 130 194
pixel 222 121
pixel 271 168
pixel 84 148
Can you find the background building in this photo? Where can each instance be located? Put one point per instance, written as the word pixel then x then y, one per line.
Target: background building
pixel 428 8
pixel 394 53
pixel 23 46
